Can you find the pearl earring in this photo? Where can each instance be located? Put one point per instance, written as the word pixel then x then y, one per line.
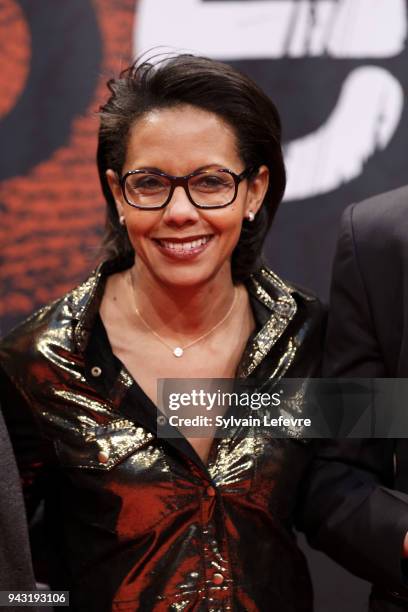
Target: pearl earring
pixel 250 216
pixel 122 220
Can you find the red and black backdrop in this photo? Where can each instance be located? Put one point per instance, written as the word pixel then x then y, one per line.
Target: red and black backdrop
pixel 55 58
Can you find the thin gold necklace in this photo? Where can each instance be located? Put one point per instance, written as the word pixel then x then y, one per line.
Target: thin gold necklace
pixel 178 351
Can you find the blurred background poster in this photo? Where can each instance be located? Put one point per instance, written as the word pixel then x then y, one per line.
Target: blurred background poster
pixel 337 70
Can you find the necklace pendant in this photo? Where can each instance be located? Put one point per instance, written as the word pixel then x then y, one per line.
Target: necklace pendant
pixel 178 351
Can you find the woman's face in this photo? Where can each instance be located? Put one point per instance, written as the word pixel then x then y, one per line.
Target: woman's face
pixel 179 141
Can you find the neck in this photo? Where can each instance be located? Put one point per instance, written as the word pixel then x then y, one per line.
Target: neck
pixel 182 310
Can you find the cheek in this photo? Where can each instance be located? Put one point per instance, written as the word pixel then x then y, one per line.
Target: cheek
pixel 230 224
pixel 136 234
pixel 139 226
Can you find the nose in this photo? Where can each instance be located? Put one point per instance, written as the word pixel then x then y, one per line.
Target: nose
pixel 180 211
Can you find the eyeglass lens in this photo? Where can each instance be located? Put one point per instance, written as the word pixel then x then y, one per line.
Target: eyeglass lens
pixel 209 188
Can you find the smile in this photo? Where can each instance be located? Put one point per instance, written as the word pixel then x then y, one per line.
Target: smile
pixel 183 247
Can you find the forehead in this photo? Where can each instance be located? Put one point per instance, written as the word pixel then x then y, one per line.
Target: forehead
pixel 181 139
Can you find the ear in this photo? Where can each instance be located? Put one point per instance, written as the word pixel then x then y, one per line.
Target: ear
pixel 116 190
pixel 257 188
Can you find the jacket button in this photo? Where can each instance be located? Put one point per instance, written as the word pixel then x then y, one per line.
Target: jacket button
pixel 96 371
pixel 211 492
pixel 103 457
pixel 218 579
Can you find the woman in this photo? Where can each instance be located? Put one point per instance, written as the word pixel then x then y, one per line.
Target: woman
pixel 191 168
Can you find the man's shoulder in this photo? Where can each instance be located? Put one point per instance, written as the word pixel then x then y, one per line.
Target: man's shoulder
pixel 382 215
pixel 371 259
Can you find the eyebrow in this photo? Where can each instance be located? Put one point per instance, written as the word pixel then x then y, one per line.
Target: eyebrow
pixel 155 169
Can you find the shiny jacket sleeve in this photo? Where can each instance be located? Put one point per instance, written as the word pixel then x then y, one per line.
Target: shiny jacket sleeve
pixel 348 512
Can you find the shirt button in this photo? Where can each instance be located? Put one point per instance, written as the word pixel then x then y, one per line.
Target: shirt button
pixel 96 371
pixel 103 457
pixel 218 579
pixel 211 492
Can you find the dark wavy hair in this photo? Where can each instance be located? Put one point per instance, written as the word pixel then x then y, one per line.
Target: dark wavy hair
pixel 176 80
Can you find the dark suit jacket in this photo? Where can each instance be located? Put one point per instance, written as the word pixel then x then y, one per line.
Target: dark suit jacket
pixel 15 560
pixel 348 512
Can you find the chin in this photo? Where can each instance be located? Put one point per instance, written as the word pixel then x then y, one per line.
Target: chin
pixel 185 280
pixel 185 277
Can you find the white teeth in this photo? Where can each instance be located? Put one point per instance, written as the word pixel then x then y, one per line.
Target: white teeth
pixel 185 246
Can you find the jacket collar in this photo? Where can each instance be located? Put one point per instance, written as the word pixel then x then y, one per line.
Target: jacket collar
pixel 272 300
pixel 279 308
pixel 85 299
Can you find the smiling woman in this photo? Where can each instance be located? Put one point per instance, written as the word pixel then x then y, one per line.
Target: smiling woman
pixel 196 226
pixel 191 167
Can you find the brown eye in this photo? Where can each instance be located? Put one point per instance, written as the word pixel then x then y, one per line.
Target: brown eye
pixel 210 183
pixel 146 183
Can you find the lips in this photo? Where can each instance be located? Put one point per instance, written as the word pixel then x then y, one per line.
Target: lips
pixel 183 247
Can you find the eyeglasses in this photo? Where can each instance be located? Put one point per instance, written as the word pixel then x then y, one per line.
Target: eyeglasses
pixel 153 190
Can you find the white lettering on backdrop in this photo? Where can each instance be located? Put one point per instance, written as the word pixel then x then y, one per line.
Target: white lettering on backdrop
pixel 370 103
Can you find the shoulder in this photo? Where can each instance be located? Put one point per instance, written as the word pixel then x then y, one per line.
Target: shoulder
pixel 311 312
pixel 278 286
pixel 373 241
pixel 295 319
pixel 383 215
pixel 51 330
pixel 289 296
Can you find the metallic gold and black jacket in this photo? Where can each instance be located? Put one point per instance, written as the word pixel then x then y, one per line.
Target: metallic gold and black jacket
pixel 137 522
